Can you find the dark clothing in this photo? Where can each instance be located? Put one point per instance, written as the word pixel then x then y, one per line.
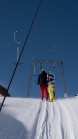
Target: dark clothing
pixel 50 78
pixel 42 78
pixel 42 82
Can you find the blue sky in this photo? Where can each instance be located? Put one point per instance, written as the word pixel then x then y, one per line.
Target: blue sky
pixel 57 23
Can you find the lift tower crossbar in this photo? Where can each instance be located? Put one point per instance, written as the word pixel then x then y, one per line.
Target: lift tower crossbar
pixel 41 62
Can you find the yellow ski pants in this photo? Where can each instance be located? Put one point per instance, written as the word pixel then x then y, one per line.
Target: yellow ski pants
pixel 50 91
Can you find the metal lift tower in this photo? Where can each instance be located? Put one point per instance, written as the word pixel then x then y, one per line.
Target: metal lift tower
pixel 41 62
pixel 18 43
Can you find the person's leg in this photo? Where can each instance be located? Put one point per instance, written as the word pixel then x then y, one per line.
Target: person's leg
pixel 54 94
pixel 53 91
pixel 41 91
pixel 46 92
pixel 50 91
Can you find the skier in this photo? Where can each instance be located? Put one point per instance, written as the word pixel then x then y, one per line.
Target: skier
pixel 42 82
pixel 50 80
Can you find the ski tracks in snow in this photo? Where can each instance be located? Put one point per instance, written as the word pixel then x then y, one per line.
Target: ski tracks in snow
pixel 54 121
pixel 67 126
pixel 37 119
pixel 47 120
pixel 39 128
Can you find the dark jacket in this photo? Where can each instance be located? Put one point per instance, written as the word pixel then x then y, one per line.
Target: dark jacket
pixel 50 78
pixel 42 78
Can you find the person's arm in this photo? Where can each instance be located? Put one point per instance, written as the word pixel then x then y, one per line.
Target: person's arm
pixel 38 80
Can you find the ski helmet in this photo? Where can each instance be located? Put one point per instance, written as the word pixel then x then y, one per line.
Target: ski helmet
pixel 43 70
pixel 50 71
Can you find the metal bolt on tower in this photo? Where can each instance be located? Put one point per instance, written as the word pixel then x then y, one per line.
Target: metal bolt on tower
pixel 41 62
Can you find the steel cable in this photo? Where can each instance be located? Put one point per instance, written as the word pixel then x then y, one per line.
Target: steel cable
pixel 20 54
pixel 38 31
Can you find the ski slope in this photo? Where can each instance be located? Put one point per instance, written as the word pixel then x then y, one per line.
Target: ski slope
pixel 23 118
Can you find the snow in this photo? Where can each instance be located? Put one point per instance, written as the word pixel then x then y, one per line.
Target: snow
pixel 28 118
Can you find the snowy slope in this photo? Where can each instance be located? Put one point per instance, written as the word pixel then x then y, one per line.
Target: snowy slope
pixel 23 118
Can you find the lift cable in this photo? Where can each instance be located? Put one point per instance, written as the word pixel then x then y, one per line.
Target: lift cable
pixel 52 18
pixel 37 29
pixel 9 18
pixel 21 53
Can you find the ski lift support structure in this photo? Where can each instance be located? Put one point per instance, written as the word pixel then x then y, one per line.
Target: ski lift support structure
pixel 17 43
pixel 41 62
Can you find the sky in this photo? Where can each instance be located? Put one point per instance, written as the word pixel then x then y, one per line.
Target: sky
pixel 57 25
pixel 50 120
